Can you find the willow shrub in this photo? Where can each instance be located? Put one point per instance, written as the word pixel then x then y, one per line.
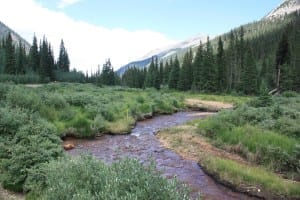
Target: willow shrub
pixel 88 178
pixel 29 142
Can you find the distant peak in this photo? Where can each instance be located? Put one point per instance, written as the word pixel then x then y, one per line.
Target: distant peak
pixel 287 7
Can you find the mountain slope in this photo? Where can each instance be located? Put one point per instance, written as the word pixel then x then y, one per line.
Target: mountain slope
pixel 272 21
pixel 285 8
pixel 4 30
pixel 164 52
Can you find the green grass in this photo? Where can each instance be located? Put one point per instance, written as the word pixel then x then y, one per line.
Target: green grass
pixel 248 176
pixel 88 178
pixel 266 131
pixel 33 118
pixel 85 110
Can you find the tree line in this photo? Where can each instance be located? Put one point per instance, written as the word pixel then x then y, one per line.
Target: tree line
pixel 252 59
pixel 234 63
pixel 14 60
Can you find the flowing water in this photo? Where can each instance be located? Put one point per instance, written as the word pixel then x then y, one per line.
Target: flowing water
pixel 143 145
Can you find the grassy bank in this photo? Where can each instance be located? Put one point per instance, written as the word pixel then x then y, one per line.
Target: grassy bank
pixel 84 110
pixel 264 131
pixel 228 168
pixel 250 179
pixel 33 119
pixel 88 178
pixel 253 148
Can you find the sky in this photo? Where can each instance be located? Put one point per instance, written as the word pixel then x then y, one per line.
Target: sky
pixel 125 30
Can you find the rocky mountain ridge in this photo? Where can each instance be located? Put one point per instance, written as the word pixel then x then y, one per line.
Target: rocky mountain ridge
pixel 4 30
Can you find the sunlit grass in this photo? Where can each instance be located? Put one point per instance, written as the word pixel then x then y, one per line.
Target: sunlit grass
pixel 261 179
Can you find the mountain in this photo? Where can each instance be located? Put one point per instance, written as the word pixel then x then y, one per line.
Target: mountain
pixel 4 30
pixel 285 8
pixel 252 30
pixel 164 52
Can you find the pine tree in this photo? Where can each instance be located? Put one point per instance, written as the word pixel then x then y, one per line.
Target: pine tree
pixel 63 63
pixel 241 56
pixel 20 61
pixel 221 66
pixel 231 62
pixel 34 58
pixel 249 75
pixel 167 70
pixel 209 78
pixel 46 69
pixel 283 56
pixel 156 75
pixel 50 63
pixel 296 54
pixel 198 69
pixel 174 74
pixel 186 72
pixel 10 60
pixel 149 81
pixel 2 55
pixel 107 74
pixel 43 61
pixel 161 72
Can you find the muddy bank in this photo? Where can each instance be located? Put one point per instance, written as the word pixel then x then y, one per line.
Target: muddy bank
pixel 144 146
pixel 206 106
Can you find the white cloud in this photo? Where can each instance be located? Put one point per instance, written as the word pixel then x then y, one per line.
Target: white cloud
pixel 65 3
pixel 87 45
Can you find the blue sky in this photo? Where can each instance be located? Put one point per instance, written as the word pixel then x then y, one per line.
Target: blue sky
pixel 177 19
pixel 125 30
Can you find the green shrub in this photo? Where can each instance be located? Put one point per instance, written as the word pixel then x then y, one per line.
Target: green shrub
pixel 88 178
pixel 140 99
pixel 4 88
pixel 66 114
pixel 145 108
pixel 98 124
pixel 33 144
pixel 263 147
pixel 287 126
pixel 11 119
pixel 79 99
pixel 108 113
pixel 81 125
pixel 24 98
pixel 289 94
pixel 55 100
pixel 261 101
pixel 49 112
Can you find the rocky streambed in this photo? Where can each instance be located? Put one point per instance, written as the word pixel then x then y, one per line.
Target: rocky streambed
pixel 144 146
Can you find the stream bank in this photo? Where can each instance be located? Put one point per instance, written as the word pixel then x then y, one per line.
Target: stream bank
pixel 143 145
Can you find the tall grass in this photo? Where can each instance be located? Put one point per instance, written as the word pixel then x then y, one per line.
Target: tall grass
pixel 88 178
pixel 256 178
pixel 264 131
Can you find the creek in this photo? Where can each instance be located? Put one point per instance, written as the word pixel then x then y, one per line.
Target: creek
pixel 142 144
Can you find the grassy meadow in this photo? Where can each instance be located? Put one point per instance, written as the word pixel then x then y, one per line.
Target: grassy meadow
pixel 253 146
pixel 34 119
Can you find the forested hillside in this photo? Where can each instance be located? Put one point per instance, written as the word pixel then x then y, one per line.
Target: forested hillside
pixel 4 30
pixel 254 58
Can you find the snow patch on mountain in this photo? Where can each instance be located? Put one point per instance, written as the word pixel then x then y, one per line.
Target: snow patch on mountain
pixel 165 52
pixel 189 43
pixel 287 7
